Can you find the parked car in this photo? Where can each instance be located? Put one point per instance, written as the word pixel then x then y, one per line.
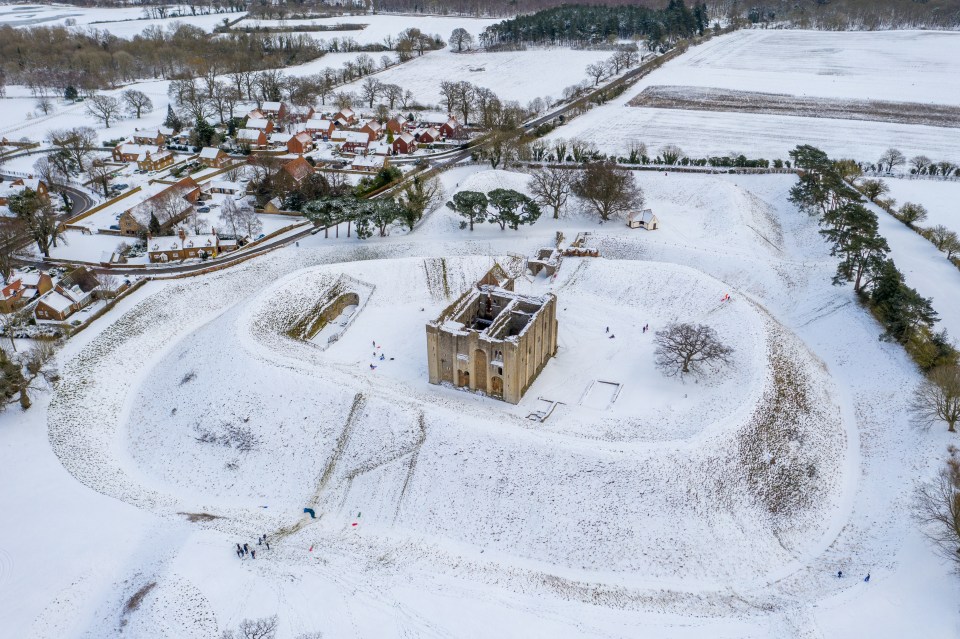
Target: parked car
pixel 203 209
pixel 114 227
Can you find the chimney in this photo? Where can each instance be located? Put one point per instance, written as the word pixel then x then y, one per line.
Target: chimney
pixel 181 234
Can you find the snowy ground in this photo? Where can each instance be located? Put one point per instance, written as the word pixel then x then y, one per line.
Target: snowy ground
pixel 470 519
pixel 507 74
pixel 939 197
pixel 123 22
pixel 897 66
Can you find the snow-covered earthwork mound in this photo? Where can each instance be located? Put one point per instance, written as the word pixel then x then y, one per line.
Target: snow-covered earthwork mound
pixel 731 476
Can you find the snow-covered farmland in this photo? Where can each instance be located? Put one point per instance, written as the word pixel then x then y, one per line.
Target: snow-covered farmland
pixel 902 66
pixel 939 197
pixel 122 22
pixel 381 26
pixel 897 66
pixel 514 75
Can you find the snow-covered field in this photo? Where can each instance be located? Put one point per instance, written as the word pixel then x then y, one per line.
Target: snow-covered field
pixel 939 197
pixel 122 22
pixel 897 66
pixel 515 75
pixel 442 513
pixel 378 27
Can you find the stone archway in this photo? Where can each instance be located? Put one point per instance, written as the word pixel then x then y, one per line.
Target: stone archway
pixel 496 387
pixel 463 378
pixel 480 369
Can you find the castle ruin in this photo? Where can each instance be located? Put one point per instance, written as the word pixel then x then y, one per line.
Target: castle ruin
pixel 492 339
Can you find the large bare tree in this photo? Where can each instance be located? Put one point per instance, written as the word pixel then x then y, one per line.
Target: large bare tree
pixel 938 509
pixel 104 108
pixel 689 349
pixel 937 398
pixel 607 189
pixel 551 187
pixel 137 102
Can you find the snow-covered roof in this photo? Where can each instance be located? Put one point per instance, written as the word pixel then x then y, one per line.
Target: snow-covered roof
pixel 280 138
pixel 271 106
pixel 319 124
pixel 174 243
pixel 225 185
pixel 355 137
pixel 30 279
pixel 57 302
pixel 646 215
pixel 249 134
pixel 364 161
pixel 129 148
pixel 407 138
pixel 209 153
pixel 257 123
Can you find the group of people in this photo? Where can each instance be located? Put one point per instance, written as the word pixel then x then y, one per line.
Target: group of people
pixel 245 549
pixel 377 355
pixel 865 579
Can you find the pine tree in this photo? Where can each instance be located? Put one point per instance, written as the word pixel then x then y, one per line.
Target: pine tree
pixel 172 121
pixel 154 226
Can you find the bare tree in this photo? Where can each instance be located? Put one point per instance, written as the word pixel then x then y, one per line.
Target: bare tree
pixel 265 628
pixel 370 89
pixel 99 173
pixel 689 348
pixel 45 105
pixel 607 189
pixel 104 108
pixel 11 235
pixel 74 147
pixel 460 39
pixel 920 162
pixel 938 509
pixel 551 187
pixel 939 235
pixel 937 398
pixel 892 158
pixel 596 71
pixel 137 102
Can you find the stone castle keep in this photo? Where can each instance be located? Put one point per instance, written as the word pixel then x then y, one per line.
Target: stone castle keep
pixel 492 339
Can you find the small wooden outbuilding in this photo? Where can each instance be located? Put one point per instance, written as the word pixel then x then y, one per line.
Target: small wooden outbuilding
pixel 644 219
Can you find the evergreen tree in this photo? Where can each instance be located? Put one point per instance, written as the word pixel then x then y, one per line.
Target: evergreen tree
pixel 70 93
pixel 203 133
pixel 172 121
pixel 154 226
pixel 512 208
pixel 471 205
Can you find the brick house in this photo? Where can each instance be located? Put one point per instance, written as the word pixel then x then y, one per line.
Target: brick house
pixel 300 143
pixel 19 185
pixel 213 157
pixel 152 137
pixel 23 289
pixel 347 115
pixel 320 126
pixel 182 246
pixel 429 136
pixel 130 152
pixel 262 124
pixel 254 138
pixel 372 128
pixel 405 144
pixel 396 126
pixel 451 128
pixel 351 141
pixel 274 110
pixel 169 203
pixel 154 161
pixel 72 293
pixel 301 113
pixel 298 169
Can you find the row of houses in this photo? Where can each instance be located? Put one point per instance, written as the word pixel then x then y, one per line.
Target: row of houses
pixel 22 289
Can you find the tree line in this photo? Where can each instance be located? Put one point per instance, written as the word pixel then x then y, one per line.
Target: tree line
pixel 581 25
pixel 52 59
pixel 852 231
